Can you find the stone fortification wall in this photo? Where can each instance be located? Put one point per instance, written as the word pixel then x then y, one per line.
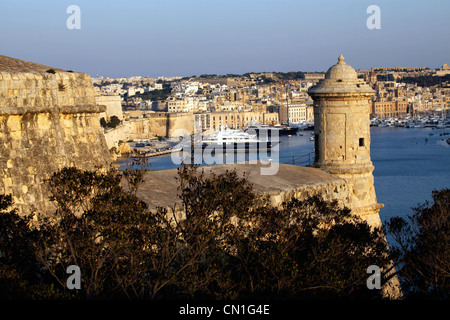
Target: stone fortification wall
pixel 47 121
pixel 140 129
pixel 149 127
pixel 116 135
pixel 113 105
pixel 160 187
pixel 171 124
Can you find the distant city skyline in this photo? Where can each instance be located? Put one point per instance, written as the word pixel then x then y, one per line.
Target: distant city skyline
pixel 185 38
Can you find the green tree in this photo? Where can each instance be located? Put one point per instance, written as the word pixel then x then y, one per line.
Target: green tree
pixel 98 227
pixel 159 94
pixel 249 249
pixel 21 274
pixel 308 249
pixel 113 122
pixel 229 243
pixel 422 248
pixel 103 122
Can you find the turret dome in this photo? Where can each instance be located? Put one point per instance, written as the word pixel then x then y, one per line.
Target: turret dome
pixel 341 71
pixel 341 78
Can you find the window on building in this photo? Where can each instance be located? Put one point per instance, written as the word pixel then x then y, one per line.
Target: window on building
pixel 361 142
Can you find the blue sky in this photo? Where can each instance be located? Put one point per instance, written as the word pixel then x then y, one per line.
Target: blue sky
pixel 180 37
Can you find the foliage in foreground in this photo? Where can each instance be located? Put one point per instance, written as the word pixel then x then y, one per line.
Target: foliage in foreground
pixel 230 244
pixel 422 251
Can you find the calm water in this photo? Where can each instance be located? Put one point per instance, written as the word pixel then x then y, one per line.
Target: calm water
pixel 409 164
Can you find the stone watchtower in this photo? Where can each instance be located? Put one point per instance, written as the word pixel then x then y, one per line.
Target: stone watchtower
pixel 342 136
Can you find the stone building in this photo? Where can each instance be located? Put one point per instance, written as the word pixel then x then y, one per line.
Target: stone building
pixel 389 108
pixel 443 71
pixel 313 76
pixel 342 136
pixel 240 119
pixel 296 112
pixel 48 120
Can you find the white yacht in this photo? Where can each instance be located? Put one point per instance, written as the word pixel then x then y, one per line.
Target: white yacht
pixel 264 129
pixel 235 139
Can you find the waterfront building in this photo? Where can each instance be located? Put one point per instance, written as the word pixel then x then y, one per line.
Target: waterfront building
pixel 234 119
pixel 389 108
pixel 297 112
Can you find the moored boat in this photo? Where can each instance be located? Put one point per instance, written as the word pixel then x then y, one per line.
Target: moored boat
pixel 237 140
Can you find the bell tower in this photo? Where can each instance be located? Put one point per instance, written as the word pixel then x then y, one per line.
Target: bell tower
pixel 342 136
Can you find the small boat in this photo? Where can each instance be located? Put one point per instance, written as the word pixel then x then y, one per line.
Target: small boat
pixel 441 125
pixel 311 138
pixel 288 130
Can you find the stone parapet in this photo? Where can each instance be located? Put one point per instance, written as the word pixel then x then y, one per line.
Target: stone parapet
pixel 45 90
pixel 62 109
pixel 48 120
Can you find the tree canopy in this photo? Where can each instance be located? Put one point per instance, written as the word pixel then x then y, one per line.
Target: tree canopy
pixel 230 243
pixel 422 250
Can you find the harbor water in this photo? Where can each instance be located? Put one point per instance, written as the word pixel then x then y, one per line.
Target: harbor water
pixel 409 164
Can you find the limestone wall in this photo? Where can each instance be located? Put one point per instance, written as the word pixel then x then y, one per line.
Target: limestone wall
pixel 42 91
pixel 171 124
pixel 342 135
pixel 342 129
pixel 119 133
pixel 140 128
pixel 47 121
pixel 113 105
pixel 329 190
pixel 150 126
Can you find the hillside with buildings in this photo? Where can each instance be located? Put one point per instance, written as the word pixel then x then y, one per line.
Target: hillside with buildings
pixel 158 107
